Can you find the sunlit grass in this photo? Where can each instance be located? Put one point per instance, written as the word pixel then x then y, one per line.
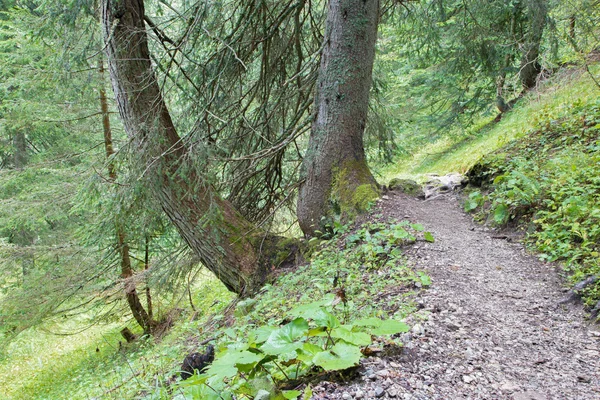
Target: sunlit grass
pixel 43 365
pixel 458 151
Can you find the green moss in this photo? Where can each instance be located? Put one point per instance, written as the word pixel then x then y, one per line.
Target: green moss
pixel 364 196
pixel 353 189
pixel 287 251
pixel 407 186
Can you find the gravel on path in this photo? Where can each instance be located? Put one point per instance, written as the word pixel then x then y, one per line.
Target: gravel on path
pixel 490 327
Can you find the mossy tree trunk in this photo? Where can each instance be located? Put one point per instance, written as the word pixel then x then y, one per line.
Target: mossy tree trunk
pixel 224 241
pixel 537 11
pixel 335 172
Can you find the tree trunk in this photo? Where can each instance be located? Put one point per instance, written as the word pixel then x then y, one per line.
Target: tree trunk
pixel 530 67
pixel 223 240
pixel 20 149
pixel 143 318
pixel 335 172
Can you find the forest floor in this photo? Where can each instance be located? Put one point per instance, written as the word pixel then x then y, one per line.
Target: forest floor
pixel 491 324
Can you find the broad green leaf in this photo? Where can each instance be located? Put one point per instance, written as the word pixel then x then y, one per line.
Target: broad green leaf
pixel 341 356
pixel 253 386
pixel 225 366
pixel 356 338
pixel 221 369
pixel 247 357
pixel 262 395
pixel 262 334
pixel 417 227
pixel 320 331
pixel 390 327
pixel 291 394
pixel 372 321
pixel 308 352
pixel 307 393
pixel 315 312
pixel 501 213
pixel 428 237
pixel 284 339
pixel 424 278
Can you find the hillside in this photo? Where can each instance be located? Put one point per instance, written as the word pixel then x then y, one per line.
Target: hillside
pixel 299 200
pixel 93 363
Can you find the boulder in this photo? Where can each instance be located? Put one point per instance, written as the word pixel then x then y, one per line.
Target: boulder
pixel 443 184
pixel 407 186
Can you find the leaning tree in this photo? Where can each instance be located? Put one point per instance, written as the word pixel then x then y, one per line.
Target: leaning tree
pixel 236 250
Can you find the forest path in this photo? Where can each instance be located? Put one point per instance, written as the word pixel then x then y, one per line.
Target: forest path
pixel 494 328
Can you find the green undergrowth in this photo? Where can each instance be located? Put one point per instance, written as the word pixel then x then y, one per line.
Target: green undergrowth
pixel 311 321
pixel 460 148
pixel 82 359
pixel 318 318
pixel 550 179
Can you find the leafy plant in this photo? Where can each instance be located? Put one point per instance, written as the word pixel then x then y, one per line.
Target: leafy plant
pixel 474 200
pixel 341 304
pixel 315 340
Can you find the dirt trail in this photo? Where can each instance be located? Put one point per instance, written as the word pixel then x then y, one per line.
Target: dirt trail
pixel 492 326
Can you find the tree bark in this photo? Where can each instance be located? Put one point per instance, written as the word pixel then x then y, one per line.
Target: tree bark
pixel 143 318
pixel 20 150
pixel 335 172
pixel 224 241
pixel 530 67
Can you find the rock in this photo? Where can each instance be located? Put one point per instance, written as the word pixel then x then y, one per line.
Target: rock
pixel 197 362
pixel 452 326
pixel 407 186
pixel 584 379
pixel 379 392
pixel 359 394
pixel 418 330
pixel 467 379
pixel 529 395
pixel 509 387
pixel 346 396
pixel 443 184
pixel 469 353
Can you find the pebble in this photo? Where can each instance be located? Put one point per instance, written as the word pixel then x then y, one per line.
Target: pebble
pixel 418 329
pixel 480 332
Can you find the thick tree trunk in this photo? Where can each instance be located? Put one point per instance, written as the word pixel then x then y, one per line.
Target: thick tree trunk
pixel 143 318
pixel 537 11
pixel 335 172
pixel 223 240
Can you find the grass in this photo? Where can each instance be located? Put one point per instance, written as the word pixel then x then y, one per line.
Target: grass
pixel 458 151
pixel 43 365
